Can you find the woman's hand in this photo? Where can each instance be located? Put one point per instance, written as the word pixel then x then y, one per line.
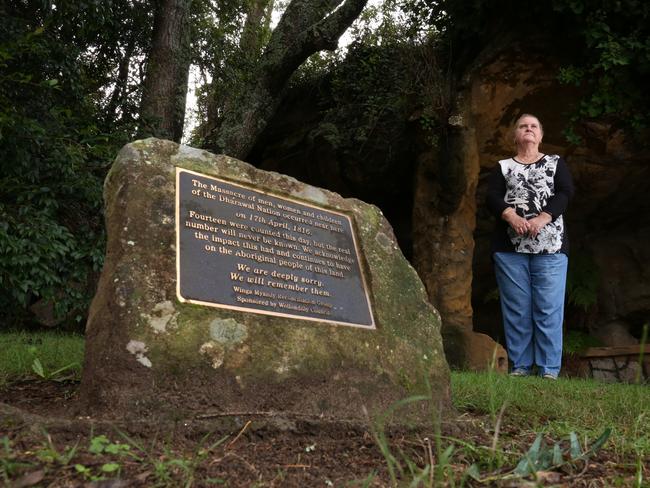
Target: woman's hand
pixel 519 224
pixel 536 223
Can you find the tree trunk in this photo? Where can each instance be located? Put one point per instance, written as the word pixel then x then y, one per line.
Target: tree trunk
pixel 162 108
pixel 121 83
pixel 307 26
pixel 252 37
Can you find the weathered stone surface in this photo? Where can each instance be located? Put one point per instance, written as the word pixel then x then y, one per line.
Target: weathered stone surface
pixel 442 235
pixel 474 351
pixel 625 369
pixel 623 260
pixel 615 334
pixel 604 370
pixel 147 353
pixel 444 216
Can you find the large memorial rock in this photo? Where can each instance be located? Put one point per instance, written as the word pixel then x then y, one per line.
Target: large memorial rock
pixel 227 289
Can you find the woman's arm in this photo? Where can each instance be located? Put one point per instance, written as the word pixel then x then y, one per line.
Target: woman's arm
pixel 497 205
pixel 496 192
pixel 557 204
pixel 564 190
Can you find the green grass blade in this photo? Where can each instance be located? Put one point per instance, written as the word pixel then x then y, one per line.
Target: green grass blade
pixel 524 467
pixel 57 372
pixel 529 461
pixel 421 477
pixel 598 443
pixel 557 455
pixel 381 420
pixel 446 455
pixel 473 472
pixel 575 450
pixel 37 367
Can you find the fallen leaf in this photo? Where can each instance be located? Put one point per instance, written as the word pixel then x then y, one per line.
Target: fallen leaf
pixel 29 479
pixel 143 476
pixel 114 483
pixel 550 477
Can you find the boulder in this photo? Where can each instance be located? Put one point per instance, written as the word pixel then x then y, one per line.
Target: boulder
pixel 473 351
pixel 43 311
pixel 149 353
pixel 614 334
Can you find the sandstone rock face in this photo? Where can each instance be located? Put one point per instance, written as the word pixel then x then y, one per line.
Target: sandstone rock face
pixel 615 334
pixel 444 216
pixel 149 354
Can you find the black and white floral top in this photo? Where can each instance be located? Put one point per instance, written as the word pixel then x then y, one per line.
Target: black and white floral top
pixel 542 186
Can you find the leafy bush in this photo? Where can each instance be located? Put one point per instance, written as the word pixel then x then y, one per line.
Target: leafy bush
pixel 54 159
pixel 583 277
pixel 576 342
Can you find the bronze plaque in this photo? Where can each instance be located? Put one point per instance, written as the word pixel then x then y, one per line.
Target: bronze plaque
pixel 248 250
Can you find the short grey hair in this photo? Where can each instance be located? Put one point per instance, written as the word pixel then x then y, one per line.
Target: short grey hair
pixel 541 127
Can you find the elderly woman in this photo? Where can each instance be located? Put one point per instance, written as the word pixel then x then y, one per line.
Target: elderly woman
pixel 528 193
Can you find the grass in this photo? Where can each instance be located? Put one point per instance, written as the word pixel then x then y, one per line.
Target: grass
pixel 54 351
pixel 534 429
pixel 512 413
pixel 560 407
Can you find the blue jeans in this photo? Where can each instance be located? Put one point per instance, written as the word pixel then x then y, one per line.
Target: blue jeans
pixel 531 290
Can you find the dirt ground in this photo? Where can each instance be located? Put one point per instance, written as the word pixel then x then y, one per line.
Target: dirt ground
pixel 43 443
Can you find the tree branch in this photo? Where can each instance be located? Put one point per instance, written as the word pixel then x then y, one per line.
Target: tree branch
pixel 306 27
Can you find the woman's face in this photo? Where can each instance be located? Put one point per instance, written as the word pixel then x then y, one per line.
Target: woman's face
pixel 528 132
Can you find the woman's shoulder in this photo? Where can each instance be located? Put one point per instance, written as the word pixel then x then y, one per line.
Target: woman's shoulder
pixel 555 158
pixel 506 162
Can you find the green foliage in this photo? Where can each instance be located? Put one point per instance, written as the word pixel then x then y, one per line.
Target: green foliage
pixel 615 63
pixel 168 466
pixel 226 65
pixel 396 467
pixel 102 445
pixel 541 457
pixel 377 97
pixel 48 355
pixel 583 277
pixel 40 371
pixel 605 46
pixel 576 342
pixel 9 463
pixel 48 453
pixel 561 407
pixel 57 140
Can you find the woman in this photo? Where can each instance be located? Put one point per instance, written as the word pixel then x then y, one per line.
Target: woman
pixel 528 194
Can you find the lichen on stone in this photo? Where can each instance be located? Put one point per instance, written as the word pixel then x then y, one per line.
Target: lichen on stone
pixel 162 316
pixel 313 194
pixel 384 241
pixel 186 152
pixel 284 365
pixel 138 348
pixel 228 331
pixel 214 351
